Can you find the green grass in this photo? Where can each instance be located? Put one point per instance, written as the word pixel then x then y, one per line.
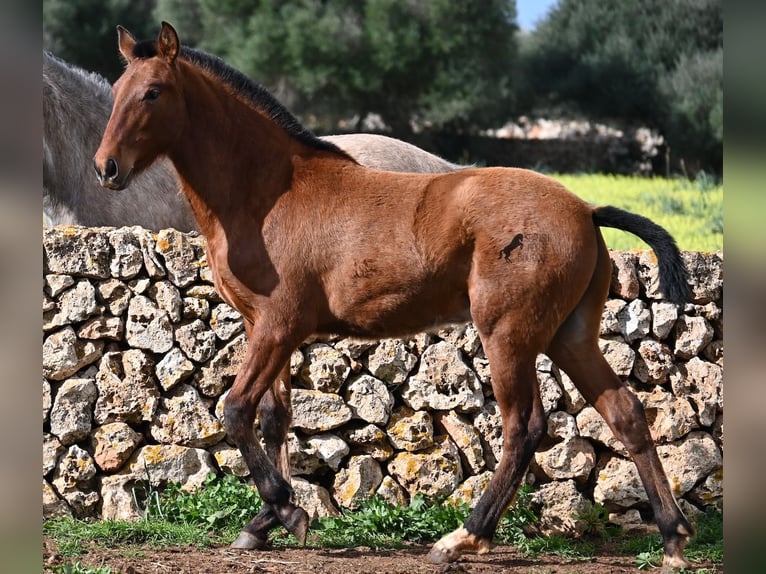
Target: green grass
pixel 692 211
pixel 214 514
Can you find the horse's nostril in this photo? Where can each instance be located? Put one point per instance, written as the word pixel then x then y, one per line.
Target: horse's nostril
pixel 111 170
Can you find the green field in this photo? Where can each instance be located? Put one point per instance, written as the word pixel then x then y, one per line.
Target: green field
pixel 692 211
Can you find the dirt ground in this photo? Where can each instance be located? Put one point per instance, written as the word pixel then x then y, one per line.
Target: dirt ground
pixel 135 559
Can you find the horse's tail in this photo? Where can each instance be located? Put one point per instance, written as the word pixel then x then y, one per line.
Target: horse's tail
pixel 674 284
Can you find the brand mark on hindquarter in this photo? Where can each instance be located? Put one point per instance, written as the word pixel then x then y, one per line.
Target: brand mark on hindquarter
pixel 525 247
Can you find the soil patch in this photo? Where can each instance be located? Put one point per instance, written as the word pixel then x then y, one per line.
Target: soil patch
pixel 143 559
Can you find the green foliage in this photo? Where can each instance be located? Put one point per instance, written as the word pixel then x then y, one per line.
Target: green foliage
pixel 220 504
pixel 657 62
pixel 338 59
pixel 596 522
pixel 692 211
pixel 84 32
pixel 73 535
pixel 77 568
pixel 707 545
pixel 379 524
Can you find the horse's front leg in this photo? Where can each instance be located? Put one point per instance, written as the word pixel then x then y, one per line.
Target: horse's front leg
pixel 274 416
pixel 266 356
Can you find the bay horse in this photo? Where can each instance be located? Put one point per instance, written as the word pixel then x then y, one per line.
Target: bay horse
pixel 76 108
pixel 301 239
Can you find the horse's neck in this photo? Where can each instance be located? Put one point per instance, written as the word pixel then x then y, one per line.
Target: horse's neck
pixel 230 158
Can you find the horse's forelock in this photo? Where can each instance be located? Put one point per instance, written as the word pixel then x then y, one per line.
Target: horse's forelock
pixel 145 49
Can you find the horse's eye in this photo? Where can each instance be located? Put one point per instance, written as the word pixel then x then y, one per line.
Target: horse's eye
pixel 151 94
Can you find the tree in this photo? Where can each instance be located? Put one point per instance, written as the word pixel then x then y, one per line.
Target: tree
pixel 634 60
pixel 435 63
pixel 84 32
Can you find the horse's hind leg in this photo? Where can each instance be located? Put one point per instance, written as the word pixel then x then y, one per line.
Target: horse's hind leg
pixel 514 382
pixel 574 348
pixel 274 416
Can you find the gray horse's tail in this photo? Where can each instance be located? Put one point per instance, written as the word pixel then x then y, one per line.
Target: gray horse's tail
pixel 674 284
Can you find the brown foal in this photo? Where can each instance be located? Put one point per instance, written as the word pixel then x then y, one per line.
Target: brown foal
pixel 301 239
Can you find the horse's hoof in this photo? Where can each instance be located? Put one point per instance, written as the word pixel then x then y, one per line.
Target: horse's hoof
pixel 298 525
pixel 674 563
pixel 247 541
pixel 442 555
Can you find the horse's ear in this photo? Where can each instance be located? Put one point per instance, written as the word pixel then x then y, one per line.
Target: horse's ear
pixel 167 42
pixel 126 42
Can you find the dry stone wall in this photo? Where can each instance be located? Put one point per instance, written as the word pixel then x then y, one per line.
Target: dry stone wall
pixel 139 352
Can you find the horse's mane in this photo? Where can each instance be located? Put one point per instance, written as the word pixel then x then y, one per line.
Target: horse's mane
pixel 249 88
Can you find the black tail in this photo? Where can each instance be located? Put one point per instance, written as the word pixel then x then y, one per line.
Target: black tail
pixel 674 283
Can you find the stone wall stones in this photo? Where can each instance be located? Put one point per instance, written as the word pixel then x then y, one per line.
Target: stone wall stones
pixel 139 352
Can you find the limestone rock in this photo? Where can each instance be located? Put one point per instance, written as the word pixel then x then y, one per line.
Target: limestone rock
pixel 391 361
pixel 610 324
pixel 53 506
pixel 126 388
pixel 52 450
pixel 102 328
pixel 195 308
pixel 470 490
pixel 357 482
pixel 229 459
pixel 573 458
pixel 64 354
pixel 635 320
pixel 392 492
pixel 77 251
pixel 168 298
pixel 73 479
pixel 443 382
pixel 74 305
pixel 314 499
pixel 702 382
pixel 489 423
pixel 127 259
pixel 692 335
pixel 593 426
pixel 325 369
pixel 46 400
pixel 669 417
pixel 368 439
pixel 369 399
pixel 618 354
pixel 664 316
pixel 562 425
pixel 653 362
pixel 624 275
pixel 112 445
pixel 705 275
pixel 410 430
pixel 559 504
pixel 148 326
pixel 196 341
pixel 179 255
pixel 182 418
pixel 434 472
pixel 226 322
pixel 220 371
pixel 315 411
pixel 115 295
pixel 71 415
pixel 465 437
pixel 173 368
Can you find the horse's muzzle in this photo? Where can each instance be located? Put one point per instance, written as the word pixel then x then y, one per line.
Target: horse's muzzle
pixel 109 176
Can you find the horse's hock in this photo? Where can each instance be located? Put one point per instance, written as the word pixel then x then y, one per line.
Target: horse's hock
pixel 139 352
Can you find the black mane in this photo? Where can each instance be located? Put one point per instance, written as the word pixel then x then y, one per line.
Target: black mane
pixel 249 88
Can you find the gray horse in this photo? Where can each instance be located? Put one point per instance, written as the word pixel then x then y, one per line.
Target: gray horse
pixel 76 107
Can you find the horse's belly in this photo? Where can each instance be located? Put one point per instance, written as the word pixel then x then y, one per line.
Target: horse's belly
pixel 410 305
